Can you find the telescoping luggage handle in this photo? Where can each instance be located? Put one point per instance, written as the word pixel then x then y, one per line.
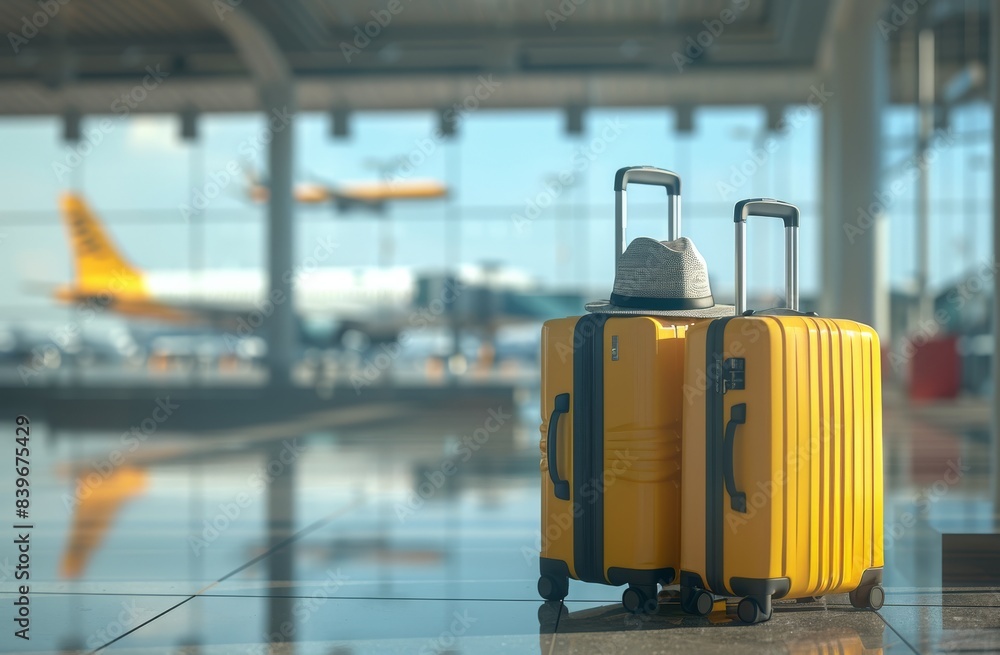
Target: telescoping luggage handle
pixel 654 177
pixel 774 209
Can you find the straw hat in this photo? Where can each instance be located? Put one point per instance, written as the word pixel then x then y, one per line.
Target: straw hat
pixel 661 278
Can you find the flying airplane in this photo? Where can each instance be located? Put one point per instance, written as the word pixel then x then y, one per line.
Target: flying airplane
pixel 372 196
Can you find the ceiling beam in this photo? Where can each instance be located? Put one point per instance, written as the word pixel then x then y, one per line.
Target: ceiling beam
pixel 428 92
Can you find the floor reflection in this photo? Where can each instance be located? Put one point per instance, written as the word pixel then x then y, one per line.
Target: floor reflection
pixel 385 533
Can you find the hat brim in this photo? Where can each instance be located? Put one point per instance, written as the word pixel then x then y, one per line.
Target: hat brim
pixel 605 307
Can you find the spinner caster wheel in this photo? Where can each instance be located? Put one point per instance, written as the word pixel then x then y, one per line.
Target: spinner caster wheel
pixel 640 599
pixel 551 588
pixel 750 611
pixel 697 601
pixel 550 612
pixel 868 597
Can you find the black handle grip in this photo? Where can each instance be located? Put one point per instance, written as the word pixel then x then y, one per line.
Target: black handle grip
pixel 561 406
pixel 767 207
pixel 648 175
pixel 737 417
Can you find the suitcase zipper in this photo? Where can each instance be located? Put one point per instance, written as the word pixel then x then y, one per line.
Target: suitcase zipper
pixel 714 433
pixel 588 447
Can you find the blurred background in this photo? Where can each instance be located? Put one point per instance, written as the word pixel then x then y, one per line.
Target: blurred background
pixel 274 273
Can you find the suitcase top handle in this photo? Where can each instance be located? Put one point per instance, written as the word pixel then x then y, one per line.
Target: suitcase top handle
pixel 774 209
pixel 651 176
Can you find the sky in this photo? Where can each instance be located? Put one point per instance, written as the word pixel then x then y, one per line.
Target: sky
pixel 500 166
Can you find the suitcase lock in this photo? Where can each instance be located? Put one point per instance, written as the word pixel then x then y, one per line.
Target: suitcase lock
pixel 734 374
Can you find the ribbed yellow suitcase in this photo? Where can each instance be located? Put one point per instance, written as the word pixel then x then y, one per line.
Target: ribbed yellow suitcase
pixel 782 451
pixel 610 446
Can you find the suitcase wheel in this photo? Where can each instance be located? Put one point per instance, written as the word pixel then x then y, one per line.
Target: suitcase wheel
pixel 750 610
pixel 550 613
pixel 868 597
pixel 552 588
pixel 696 601
pixel 640 599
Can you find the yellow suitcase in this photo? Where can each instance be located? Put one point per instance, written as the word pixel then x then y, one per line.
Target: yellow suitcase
pixel 610 440
pixel 611 454
pixel 782 451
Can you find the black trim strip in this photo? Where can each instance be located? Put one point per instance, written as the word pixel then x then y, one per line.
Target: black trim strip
pixel 714 442
pixel 761 587
pixel 643 302
pixel 555 568
pixel 691 580
pixel 871 577
pixel 588 447
pixel 619 576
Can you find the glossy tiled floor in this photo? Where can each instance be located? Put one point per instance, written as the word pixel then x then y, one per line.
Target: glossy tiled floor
pixel 353 541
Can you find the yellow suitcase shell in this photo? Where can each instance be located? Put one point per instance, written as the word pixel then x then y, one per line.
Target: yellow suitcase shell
pixel 620 522
pixel 798 401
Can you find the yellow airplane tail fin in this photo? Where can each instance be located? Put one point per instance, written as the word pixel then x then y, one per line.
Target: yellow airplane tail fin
pixel 96 509
pixel 98 264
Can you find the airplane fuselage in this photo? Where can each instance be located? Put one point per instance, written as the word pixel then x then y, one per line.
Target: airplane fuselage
pixel 329 292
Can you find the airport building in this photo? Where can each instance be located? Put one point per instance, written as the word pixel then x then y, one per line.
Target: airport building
pixel 467 327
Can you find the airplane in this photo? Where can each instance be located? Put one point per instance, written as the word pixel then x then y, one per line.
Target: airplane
pixel 372 196
pixel 379 302
pixel 97 506
pixel 221 298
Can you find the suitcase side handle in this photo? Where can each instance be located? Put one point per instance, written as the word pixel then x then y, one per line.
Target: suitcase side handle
pixel 737 417
pixel 775 209
pixel 560 407
pixel 652 176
